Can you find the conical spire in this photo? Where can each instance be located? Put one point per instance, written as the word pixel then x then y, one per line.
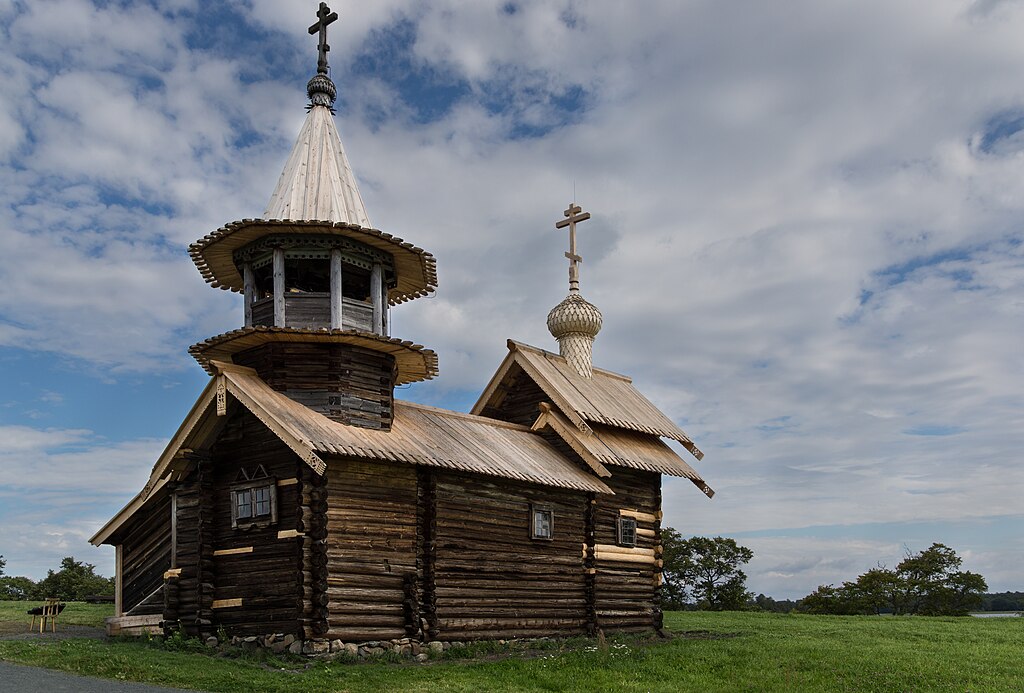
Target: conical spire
pixel 317 183
pixel 575 322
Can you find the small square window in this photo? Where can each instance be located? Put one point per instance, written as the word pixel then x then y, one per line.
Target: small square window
pixel 254 503
pixel 627 531
pixel 542 523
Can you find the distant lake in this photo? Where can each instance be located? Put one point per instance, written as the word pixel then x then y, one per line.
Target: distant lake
pixel 1005 614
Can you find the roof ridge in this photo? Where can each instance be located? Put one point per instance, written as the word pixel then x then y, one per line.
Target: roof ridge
pixel 464 415
pixel 513 345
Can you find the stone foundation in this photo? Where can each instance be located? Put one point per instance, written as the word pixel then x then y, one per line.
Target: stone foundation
pixel 320 648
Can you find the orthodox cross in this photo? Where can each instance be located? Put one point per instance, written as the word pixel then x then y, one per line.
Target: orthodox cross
pixel 324 17
pixel 574 214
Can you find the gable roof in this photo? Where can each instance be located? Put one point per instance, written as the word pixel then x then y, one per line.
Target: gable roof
pixel 419 435
pixel 616 447
pixel 607 398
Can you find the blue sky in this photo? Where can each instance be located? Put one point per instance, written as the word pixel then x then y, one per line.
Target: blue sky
pixel 806 240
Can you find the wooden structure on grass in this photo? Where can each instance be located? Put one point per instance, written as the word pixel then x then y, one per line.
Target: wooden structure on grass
pixel 299 496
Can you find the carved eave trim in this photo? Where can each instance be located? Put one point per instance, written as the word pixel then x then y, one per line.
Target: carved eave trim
pixel 213 254
pixel 413 361
pixel 279 428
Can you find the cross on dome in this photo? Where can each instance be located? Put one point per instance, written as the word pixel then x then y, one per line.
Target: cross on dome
pixel 324 17
pixel 574 214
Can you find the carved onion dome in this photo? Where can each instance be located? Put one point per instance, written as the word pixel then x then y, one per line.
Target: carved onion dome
pixel 575 323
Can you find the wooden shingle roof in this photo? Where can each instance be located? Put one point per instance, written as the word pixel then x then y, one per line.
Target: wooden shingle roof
pixel 413 361
pixel 607 398
pixel 419 435
pixel 616 447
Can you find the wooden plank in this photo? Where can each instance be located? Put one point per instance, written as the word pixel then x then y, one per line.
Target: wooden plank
pixel 640 516
pixel 279 314
pixel 289 534
pixel 287 482
pixel 376 297
pixel 249 291
pixel 337 304
pixel 227 603
pixel 232 552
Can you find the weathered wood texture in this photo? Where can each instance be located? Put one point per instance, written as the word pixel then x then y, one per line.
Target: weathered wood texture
pixel 371 549
pixel 517 399
pixel 188 594
pixel 146 554
pixel 264 579
pixel 625 592
pixel 346 383
pixel 491 579
pixel 313 311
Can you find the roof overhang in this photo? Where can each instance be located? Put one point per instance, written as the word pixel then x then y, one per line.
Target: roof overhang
pixel 415 268
pixel 414 362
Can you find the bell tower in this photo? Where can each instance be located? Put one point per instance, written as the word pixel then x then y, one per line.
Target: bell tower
pixel 318 280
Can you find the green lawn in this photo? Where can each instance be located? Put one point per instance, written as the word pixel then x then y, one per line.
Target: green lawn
pixel 13 618
pixel 728 652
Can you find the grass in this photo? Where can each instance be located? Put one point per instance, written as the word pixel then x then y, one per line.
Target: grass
pixel 13 618
pixel 714 652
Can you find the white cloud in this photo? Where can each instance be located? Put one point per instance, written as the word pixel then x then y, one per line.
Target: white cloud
pixel 806 238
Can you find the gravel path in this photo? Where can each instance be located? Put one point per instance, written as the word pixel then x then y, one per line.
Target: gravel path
pixel 15 678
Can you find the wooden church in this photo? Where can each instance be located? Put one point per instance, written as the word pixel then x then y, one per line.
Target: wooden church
pixel 299 496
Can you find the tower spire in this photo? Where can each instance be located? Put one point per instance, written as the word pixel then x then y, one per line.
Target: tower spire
pixel 575 322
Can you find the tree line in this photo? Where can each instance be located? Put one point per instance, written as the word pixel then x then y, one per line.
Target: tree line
pixel 707 573
pixel 73 581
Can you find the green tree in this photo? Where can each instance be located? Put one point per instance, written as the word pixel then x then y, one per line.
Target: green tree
pixel 17 588
pixel 707 570
pixel 928 583
pixel 933 585
pixel 74 581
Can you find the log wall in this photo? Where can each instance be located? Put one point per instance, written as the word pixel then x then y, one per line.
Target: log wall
pixel 343 382
pixel 626 591
pixel 146 554
pixel 371 550
pixel 491 580
pixel 254 564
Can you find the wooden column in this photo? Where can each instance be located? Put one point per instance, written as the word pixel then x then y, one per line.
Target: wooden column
pixel 249 284
pixel 590 565
pixel 279 287
pixel 426 551
pixel 336 295
pixel 118 569
pixel 377 297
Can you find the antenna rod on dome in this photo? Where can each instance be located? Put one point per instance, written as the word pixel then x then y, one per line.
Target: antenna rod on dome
pixel 324 17
pixel 574 214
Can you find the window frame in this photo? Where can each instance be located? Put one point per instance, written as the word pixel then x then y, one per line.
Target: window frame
pixel 619 526
pixel 252 486
pixel 536 510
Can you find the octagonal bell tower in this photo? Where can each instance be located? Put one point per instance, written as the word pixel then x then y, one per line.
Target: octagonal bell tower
pixel 318 280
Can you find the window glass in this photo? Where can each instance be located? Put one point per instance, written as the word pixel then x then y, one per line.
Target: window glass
pixel 243 501
pixel 542 521
pixel 627 531
pixel 262 501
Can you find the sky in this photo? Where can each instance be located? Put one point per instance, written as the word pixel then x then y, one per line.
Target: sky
pixel 807 241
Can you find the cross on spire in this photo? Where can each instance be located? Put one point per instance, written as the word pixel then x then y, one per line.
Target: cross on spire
pixel 324 17
pixel 573 215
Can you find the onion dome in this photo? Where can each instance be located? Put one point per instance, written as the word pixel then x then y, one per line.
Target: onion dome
pixel 575 323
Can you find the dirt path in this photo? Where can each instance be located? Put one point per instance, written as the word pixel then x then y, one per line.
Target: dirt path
pixel 15 678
